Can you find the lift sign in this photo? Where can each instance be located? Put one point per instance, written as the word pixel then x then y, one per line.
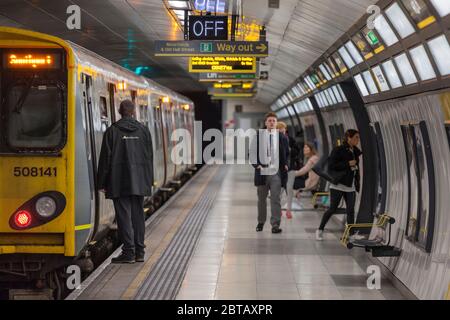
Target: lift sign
pixel 208 28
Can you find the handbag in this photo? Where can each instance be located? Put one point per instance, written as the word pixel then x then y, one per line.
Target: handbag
pixel 322 169
pixel 299 182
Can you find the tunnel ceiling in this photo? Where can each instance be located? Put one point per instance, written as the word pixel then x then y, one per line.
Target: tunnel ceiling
pixel 299 32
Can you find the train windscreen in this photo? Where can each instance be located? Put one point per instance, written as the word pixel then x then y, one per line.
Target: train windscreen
pixel 34 101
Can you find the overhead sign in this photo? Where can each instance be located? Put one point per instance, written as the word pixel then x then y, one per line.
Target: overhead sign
pixel 212 76
pixel 232 90
pixel 223 64
pixel 211 48
pixel 208 28
pixel 230 85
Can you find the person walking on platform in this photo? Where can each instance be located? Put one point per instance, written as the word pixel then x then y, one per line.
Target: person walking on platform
pixel 125 174
pixel 343 159
pixel 270 171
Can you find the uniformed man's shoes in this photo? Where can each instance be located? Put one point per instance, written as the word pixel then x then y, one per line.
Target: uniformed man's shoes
pixel 140 257
pixel 123 258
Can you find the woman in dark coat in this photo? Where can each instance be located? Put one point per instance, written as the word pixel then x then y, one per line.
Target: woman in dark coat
pixel 343 158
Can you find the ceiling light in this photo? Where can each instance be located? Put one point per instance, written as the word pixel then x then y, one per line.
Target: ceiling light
pixel 179 4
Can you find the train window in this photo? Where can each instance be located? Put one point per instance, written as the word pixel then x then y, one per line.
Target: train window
pixel 392 75
pixel 133 96
pixel 112 90
pixel 363 46
pixel 104 114
pixel 347 58
pixel 422 63
pixel 361 85
pixel 406 69
pixel 373 40
pixel 380 78
pixel 339 63
pixel 442 7
pixel 419 12
pixel 385 31
pixel 143 114
pixel 35 115
pixel 440 49
pixel 354 52
pixel 399 20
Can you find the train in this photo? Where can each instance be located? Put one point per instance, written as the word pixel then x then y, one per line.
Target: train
pixel 392 83
pixel 57 100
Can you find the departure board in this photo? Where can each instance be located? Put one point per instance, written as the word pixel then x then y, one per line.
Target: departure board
pixel 222 64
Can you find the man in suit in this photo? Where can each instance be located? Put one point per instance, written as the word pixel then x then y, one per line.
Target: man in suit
pixel 270 150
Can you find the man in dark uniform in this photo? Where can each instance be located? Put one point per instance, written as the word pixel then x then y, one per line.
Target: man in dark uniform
pixel 125 174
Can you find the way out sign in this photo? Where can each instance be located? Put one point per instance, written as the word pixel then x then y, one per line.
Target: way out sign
pixel 208 28
pixel 211 48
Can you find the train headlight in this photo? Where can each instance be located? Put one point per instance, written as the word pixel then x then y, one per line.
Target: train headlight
pixel 45 207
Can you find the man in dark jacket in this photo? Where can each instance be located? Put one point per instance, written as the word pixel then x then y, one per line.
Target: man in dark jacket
pixel 125 174
pixel 270 176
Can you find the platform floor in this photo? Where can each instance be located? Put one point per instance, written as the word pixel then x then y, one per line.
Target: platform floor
pixel 232 261
pixel 203 245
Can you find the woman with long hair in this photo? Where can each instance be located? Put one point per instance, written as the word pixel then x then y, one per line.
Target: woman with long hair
pixel 310 183
pixel 343 158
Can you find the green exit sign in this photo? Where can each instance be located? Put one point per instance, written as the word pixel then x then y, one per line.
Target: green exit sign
pixel 206 47
pixel 373 38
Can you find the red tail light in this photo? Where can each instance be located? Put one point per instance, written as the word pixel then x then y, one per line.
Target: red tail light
pixel 22 219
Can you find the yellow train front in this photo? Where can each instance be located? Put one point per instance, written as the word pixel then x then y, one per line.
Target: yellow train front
pixel 57 99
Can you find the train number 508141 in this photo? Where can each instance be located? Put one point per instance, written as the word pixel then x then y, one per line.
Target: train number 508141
pixel 35 172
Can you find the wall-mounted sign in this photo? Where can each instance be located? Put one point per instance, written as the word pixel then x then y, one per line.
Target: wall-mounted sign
pixel 223 64
pixel 208 28
pixel 218 6
pixel 212 76
pixel 211 48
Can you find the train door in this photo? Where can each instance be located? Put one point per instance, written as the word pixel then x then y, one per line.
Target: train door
pixel 159 158
pixel 168 126
pixel 421 184
pixel 381 172
pixel 90 145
